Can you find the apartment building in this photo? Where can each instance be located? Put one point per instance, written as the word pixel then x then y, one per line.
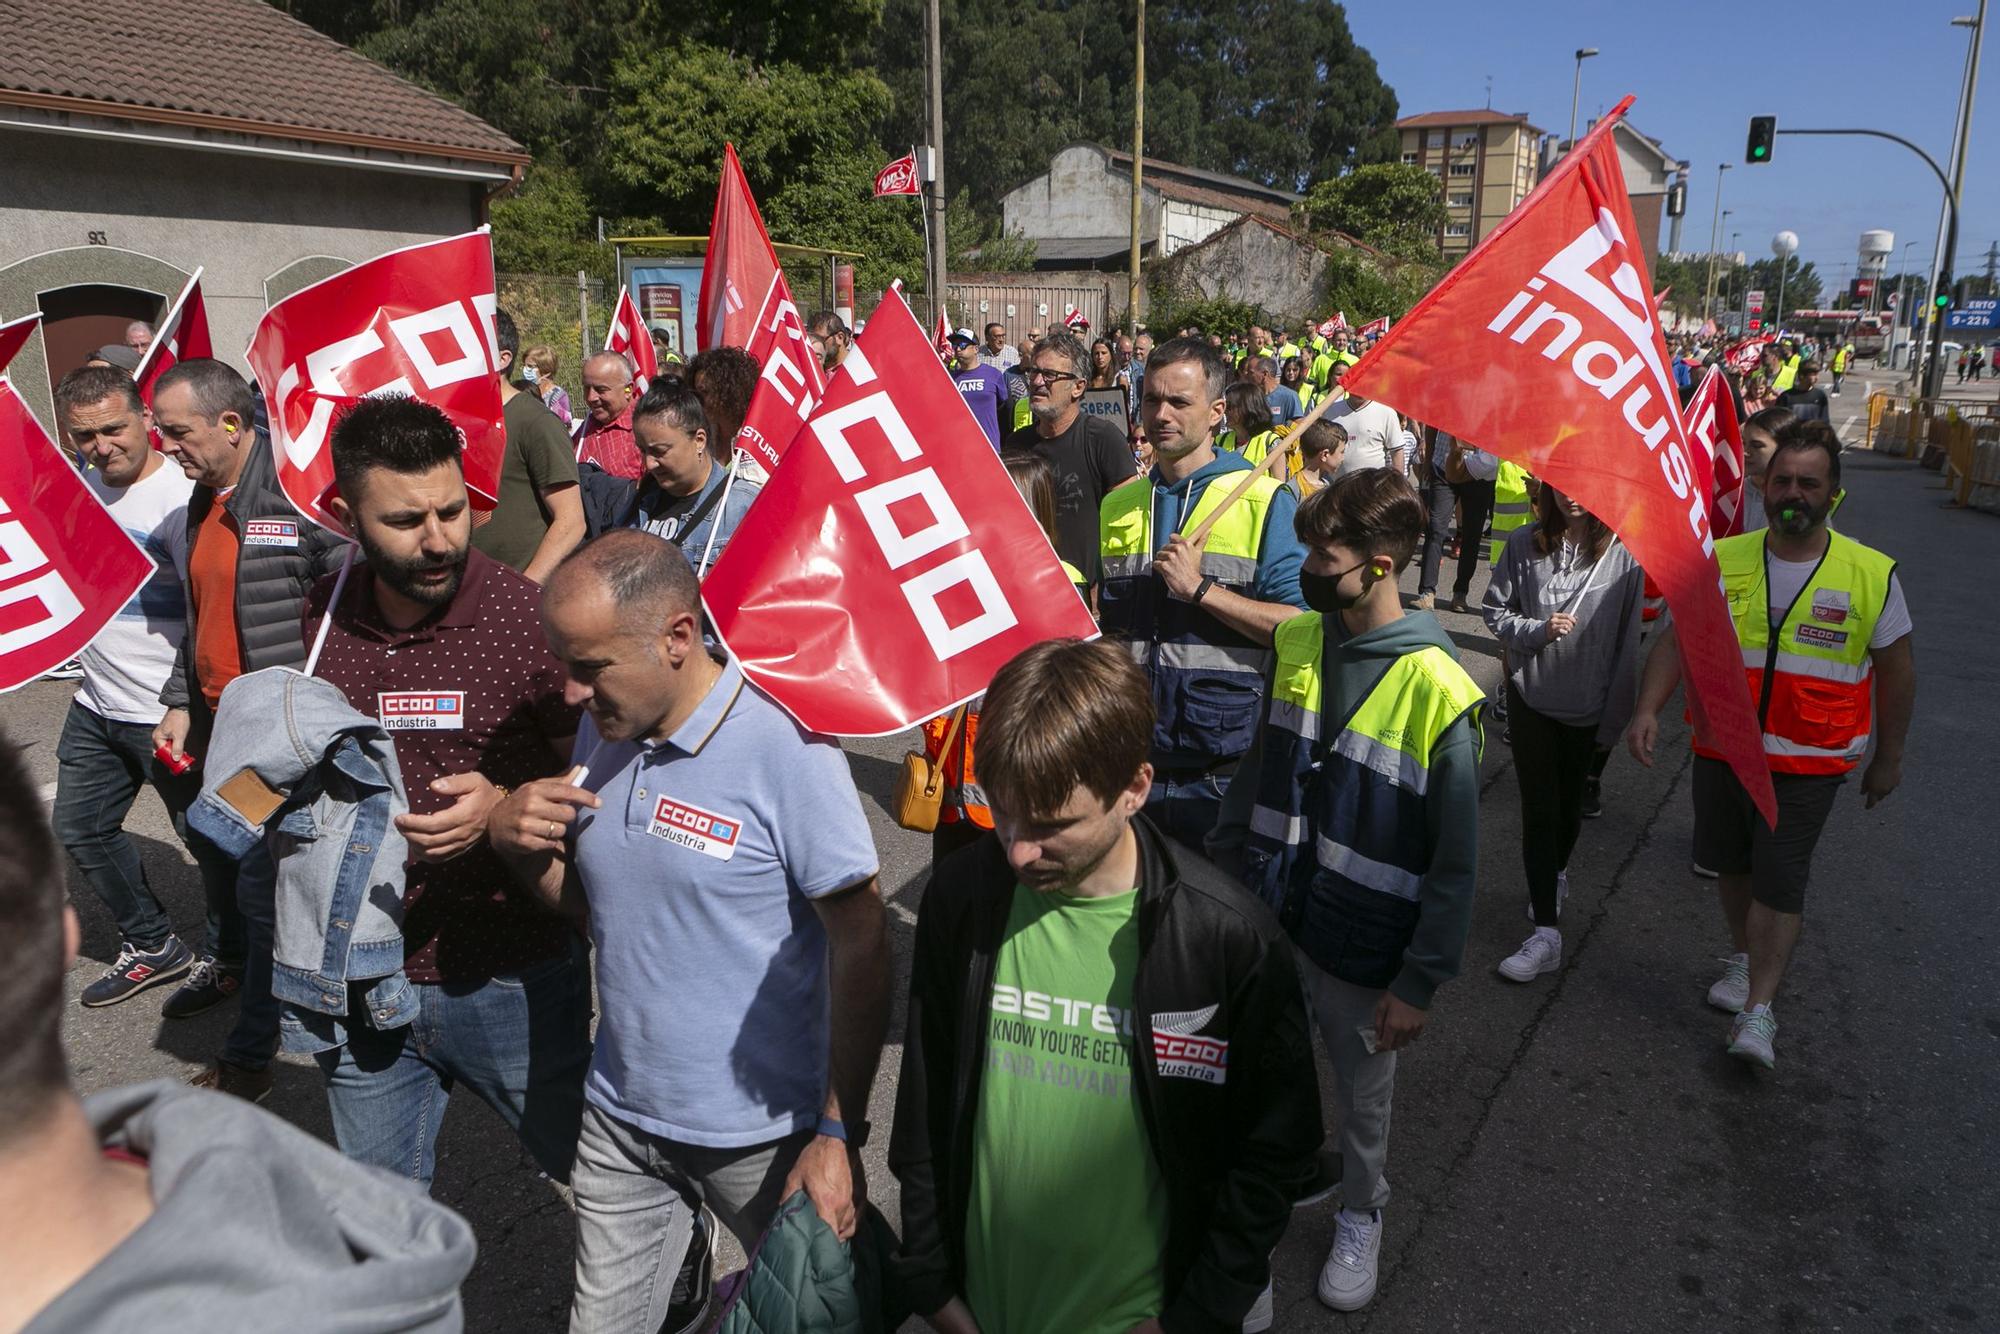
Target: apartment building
pixel 1488 161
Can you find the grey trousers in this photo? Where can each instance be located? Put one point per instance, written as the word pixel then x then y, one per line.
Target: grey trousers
pixel 637 1197
pixel 1364 1084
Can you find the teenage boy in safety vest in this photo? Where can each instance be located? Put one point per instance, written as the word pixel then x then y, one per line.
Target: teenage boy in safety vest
pixel 1840 651
pixel 1356 817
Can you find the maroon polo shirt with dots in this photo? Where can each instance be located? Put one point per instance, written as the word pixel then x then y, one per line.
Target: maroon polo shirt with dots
pixel 472 687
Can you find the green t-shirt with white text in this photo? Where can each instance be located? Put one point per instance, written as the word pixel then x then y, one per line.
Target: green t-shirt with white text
pixel 1068 1216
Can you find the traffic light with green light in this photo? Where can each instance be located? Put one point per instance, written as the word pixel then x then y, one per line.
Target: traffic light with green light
pixel 1763 129
pixel 1943 298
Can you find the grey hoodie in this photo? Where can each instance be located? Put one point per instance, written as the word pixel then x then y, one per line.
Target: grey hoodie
pixel 1591 675
pixel 257 1226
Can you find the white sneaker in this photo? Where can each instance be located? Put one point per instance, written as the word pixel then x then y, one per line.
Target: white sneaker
pixel 1751 1035
pixel 1540 953
pixel 1732 991
pixel 1259 1319
pixel 1347 1279
pixel 1562 892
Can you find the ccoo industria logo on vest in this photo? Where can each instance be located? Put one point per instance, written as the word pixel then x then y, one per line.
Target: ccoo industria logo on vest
pixel 1590 287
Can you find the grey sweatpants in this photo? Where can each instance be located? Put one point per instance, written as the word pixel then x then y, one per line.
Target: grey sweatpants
pixel 1364 1084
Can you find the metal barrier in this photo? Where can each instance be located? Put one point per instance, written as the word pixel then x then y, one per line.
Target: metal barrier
pixel 1958 439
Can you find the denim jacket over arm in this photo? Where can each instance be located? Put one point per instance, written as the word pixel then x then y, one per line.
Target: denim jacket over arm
pixel 334 839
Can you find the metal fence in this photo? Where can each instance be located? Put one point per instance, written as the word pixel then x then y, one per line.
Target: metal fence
pixel 559 312
pixel 1959 440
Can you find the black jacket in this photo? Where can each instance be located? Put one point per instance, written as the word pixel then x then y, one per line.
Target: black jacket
pixel 274 572
pixel 1232 1154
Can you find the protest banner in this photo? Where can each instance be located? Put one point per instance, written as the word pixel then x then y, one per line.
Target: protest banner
pixel 1374 328
pixel 898 178
pixel 890 567
pixel 14 336
pixel 1717 437
pixel 1109 404
pixel 182 336
pixel 629 336
pixel 1543 347
pixel 415 321
pixel 66 566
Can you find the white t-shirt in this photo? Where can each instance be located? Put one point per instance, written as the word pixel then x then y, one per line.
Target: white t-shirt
pixel 131 658
pixel 1788 579
pixel 1374 432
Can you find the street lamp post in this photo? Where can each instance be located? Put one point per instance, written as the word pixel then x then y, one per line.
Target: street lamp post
pixel 1721 270
pixel 1784 245
pixel 1947 251
pixel 1903 311
pixel 1735 277
pixel 1583 53
pixel 1714 237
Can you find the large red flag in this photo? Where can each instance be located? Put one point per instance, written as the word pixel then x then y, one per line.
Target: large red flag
pixel 629 335
pixel 889 568
pixel 66 566
pixel 415 321
pixel 14 336
pixel 1542 346
pixel 740 268
pixel 182 336
pixel 746 303
pixel 1717 440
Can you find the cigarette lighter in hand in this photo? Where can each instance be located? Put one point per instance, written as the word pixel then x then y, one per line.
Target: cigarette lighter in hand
pixel 165 755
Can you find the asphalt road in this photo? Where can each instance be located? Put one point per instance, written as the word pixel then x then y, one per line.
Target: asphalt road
pixel 1573 1154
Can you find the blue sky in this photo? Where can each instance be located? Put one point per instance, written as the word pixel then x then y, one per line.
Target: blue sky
pixel 1822 63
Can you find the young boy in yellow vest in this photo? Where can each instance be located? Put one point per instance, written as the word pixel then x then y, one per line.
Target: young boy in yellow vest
pixel 1356 818
pixel 1825 634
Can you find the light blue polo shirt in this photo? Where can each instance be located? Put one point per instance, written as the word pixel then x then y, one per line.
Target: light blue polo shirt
pixel 711 963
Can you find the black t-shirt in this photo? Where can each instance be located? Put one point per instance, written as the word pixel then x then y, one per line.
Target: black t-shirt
pixel 1090 460
pixel 1807 404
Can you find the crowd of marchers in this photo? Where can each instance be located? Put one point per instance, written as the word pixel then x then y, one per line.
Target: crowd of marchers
pixel 521 775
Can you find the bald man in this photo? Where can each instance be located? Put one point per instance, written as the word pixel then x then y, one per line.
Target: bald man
pixel 139 336
pixel 607 430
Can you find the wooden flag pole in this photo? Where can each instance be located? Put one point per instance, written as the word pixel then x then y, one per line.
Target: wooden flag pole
pixel 1281 449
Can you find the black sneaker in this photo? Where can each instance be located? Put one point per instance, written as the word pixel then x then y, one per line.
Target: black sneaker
pixel 135 969
pixel 1592 805
pixel 207 986
pixel 694 1286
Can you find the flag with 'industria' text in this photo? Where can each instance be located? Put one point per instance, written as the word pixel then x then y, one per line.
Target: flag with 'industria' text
pixel 1543 347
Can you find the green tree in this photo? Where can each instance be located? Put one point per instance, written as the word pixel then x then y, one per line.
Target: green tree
pixel 547 226
pixel 1389 205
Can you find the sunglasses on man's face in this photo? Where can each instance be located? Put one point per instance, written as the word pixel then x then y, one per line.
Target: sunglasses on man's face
pixel 1052 377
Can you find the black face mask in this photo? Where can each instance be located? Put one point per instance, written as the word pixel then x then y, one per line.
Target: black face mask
pixel 1321 591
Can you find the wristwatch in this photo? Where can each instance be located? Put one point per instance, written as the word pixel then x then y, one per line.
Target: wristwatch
pixel 1201 589
pixel 854 1134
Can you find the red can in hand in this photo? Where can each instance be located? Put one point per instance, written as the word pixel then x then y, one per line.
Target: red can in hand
pixel 165 755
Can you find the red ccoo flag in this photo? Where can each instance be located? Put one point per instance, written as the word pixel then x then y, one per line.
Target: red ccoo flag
pixel 882 578
pixel 898 178
pixel 741 267
pixel 1543 346
pixel 1717 440
pixel 415 321
pixel 629 336
pixel 66 566
pixel 182 336
pixel 14 336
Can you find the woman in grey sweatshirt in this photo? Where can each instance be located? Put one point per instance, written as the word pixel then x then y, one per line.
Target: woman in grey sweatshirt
pixel 1565 603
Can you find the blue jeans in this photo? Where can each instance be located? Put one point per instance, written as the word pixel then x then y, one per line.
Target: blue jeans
pixel 1186 806
pixel 254 1040
pixel 100 765
pixel 521 1041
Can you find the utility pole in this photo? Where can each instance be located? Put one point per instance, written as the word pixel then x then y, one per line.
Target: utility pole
pixel 1138 158
pixel 1583 53
pixel 1947 252
pixel 934 51
pixel 1714 239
